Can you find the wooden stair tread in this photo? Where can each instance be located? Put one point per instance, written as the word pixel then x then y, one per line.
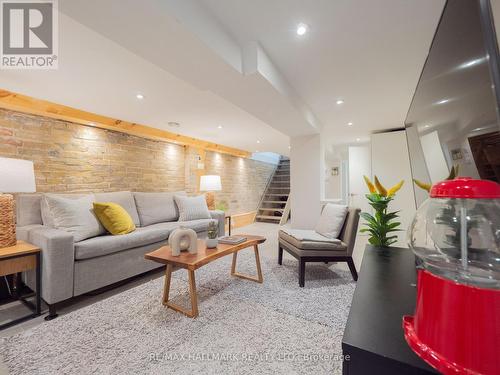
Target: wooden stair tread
pixel 271 209
pixel 277 218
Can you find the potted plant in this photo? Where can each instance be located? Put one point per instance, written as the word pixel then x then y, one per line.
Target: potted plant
pixel 212 240
pixel 383 223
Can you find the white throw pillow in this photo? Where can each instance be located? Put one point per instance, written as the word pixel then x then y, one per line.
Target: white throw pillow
pixel 75 216
pixel 192 208
pixel 331 221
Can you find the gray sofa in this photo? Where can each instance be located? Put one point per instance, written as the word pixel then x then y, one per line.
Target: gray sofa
pixel 72 268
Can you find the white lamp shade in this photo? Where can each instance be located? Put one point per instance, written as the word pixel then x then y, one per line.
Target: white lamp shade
pixel 210 183
pixel 16 176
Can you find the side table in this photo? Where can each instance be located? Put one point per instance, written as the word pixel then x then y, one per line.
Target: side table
pixel 19 258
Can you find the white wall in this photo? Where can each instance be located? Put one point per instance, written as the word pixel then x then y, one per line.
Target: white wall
pixel 391 163
pixel 333 183
pixel 306 180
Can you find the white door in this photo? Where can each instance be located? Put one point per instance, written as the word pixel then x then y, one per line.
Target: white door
pixel 359 166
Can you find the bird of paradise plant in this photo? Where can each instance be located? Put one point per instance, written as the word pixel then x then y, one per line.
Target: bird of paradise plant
pixel 383 223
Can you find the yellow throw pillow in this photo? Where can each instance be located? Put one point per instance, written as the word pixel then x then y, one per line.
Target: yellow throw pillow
pixel 114 218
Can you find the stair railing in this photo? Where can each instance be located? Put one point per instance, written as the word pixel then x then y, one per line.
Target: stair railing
pixel 286 211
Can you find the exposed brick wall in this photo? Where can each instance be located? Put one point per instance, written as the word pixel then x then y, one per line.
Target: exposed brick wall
pixel 70 157
pixel 243 180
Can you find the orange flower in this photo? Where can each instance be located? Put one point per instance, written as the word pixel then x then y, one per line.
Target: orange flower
pixel 370 185
pixel 381 189
pixel 393 190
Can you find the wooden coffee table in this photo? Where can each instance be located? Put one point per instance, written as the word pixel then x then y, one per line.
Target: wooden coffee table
pixel 192 262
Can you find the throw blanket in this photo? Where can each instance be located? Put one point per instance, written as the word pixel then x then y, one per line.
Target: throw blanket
pixel 309 235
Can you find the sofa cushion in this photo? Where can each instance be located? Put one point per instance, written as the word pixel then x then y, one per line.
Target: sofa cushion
pixel 310 240
pixel 114 218
pixel 198 226
pixel 332 220
pixel 108 244
pixel 192 208
pixel 124 199
pixel 157 207
pixel 75 216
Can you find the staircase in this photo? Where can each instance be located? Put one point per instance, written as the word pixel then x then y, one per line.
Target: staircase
pixel 274 201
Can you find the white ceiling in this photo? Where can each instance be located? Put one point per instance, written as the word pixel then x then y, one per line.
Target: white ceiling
pixel 239 64
pixel 367 52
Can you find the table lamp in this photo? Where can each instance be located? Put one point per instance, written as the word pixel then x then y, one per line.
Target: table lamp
pixel 16 176
pixel 209 184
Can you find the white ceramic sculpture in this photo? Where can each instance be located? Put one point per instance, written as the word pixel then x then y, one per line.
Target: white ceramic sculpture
pixel 183 239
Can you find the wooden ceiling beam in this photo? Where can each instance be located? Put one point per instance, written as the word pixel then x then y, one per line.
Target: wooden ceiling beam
pixel 26 104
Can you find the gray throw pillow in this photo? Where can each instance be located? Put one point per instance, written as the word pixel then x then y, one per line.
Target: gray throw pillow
pixel 192 208
pixel 75 216
pixel 332 220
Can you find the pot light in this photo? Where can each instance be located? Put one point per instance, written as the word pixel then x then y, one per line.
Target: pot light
pixel 349 124
pixel 139 96
pixel 426 126
pixel 358 139
pixel 258 141
pixel 289 147
pixel 302 29
pixel 219 127
pixel 256 150
pixel 339 101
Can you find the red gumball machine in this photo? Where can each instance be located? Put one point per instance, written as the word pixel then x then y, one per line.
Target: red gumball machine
pixel 456 237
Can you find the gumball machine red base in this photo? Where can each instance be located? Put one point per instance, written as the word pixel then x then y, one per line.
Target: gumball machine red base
pixel 456 237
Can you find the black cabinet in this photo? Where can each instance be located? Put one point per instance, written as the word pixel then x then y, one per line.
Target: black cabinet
pixel 373 337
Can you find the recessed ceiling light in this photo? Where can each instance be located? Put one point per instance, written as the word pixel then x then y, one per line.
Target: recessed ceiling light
pixel 258 141
pixel 256 150
pixel 302 29
pixel 339 101
pixel 358 139
pixel 426 126
pixel 219 127
pixel 478 129
pixel 174 124
pixel 139 96
pixel 289 147
pixel 349 123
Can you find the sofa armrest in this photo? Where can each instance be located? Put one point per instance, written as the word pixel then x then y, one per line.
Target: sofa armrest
pixel 220 217
pixel 57 263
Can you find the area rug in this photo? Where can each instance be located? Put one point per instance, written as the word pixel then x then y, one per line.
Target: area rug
pixel 244 327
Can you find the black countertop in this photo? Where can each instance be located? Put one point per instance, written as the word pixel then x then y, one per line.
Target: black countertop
pixel 385 291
